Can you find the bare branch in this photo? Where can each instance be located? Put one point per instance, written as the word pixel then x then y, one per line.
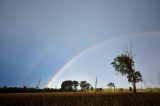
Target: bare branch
pixel 128 50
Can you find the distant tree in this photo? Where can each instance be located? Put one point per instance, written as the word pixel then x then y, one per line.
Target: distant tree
pixel 67 85
pixel 88 85
pixel 111 85
pixel 92 88
pixel 4 87
pixel 99 89
pixel 75 84
pixel 124 64
pixel 130 88
pixel 24 87
pixel 84 85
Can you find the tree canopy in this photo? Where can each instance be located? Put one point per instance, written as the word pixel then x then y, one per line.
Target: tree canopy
pixel 124 64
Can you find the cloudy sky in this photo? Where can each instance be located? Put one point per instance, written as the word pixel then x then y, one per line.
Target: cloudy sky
pixel 78 37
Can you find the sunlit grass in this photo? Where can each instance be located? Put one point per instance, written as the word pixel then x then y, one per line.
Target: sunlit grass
pixel 88 98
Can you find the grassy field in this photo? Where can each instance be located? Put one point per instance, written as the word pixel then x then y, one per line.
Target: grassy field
pixel 80 99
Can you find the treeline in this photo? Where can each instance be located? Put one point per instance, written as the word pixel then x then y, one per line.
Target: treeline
pixel 26 90
pixel 66 86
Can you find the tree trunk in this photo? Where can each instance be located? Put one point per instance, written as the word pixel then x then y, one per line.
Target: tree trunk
pixel 134 87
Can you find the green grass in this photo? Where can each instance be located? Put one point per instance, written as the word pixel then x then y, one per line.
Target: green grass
pixel 81 99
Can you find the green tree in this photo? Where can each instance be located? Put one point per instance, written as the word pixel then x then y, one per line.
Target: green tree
pixel 67 85
pixel 83 85
pixel 75 84
pixel 111 85
pixel 88 85
pixel 124 64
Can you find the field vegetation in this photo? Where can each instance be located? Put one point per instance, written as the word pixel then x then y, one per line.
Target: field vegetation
pixel 81 99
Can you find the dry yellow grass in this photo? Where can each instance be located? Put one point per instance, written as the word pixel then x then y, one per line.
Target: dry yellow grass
pixel 80 99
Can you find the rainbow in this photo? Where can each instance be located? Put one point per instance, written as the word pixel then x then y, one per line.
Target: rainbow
pixel 32 68
pixel 99 44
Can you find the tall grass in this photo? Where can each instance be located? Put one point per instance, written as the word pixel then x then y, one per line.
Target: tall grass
pixel 80 99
